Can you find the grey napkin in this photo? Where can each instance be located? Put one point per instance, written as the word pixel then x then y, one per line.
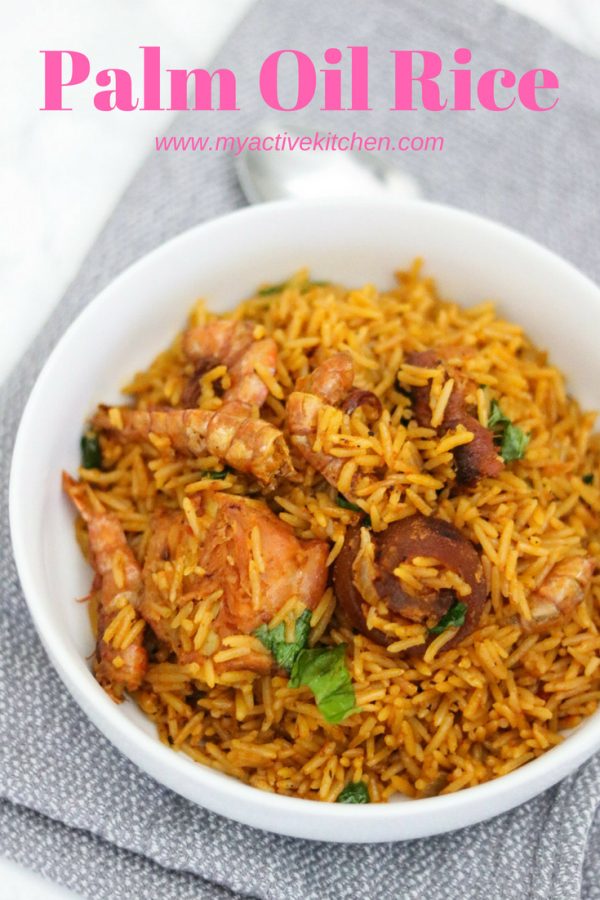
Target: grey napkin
pixel 73 807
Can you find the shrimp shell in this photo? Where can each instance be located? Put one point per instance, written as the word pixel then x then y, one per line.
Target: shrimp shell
pixel 231 433
pixel 233 343
pixel 562 590
pixel 115 668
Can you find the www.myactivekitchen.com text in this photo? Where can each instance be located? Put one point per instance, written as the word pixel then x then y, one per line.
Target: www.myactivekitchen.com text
pixel 307 143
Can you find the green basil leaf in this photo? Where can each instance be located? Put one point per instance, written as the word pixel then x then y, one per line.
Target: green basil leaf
pixel 354 792
pixel 324 671
pixel 496 417
pixel 274 640
pixel 454 618
pixel 272 289
pixel 511 439
pixel 217 476
pixel 514 443
pixel 314 284
pixel 278 288
pixel 91 454
pixel 345 504
pixel 588 479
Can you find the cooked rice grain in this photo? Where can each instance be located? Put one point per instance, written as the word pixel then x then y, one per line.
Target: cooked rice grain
pixel 431 724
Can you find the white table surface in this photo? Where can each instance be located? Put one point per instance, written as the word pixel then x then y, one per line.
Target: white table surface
pixel 61 174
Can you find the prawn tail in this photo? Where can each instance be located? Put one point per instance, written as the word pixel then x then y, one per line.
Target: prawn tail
pixel 79 496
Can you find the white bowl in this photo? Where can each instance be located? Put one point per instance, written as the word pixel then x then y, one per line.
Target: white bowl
pixel 122 329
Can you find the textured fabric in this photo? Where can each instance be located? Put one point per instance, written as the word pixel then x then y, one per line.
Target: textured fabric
pixel 73 806
pixel 102 870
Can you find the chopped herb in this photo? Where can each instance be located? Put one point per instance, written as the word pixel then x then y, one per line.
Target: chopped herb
pixel 272 289
pixel 314 284
pixel 217 476
pixel 454 618
pixel 278 288
pixel 589 478
pixel 324 671
pixel 496 417
pixel 345 504
pixel 91 454
pixel 511 439
pixel 274 640
pixel 514 443
pixel 355 792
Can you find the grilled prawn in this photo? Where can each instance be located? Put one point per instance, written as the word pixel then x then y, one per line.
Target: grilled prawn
pixel 248 564
pixel 121 659
pixel 330 384
pixel 231 433
pixel 561 591
pixel 235 345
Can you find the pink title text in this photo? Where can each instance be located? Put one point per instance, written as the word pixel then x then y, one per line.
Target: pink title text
pixel 290 80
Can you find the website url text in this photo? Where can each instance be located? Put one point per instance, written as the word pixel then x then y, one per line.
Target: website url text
pixel 308 143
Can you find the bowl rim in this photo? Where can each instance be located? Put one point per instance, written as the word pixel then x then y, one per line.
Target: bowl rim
pixel 290 815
